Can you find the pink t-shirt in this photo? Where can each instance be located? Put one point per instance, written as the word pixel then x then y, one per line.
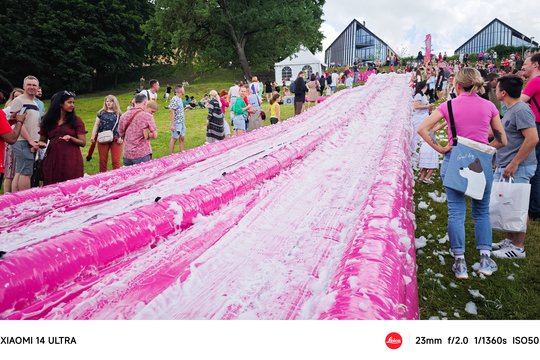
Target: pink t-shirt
pixel 472 116
pixel 532 90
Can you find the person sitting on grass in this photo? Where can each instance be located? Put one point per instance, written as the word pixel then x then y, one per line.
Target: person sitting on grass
pixel 192 104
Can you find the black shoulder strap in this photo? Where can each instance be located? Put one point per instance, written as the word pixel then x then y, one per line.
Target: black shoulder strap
pixel 535 103
pixel 452 123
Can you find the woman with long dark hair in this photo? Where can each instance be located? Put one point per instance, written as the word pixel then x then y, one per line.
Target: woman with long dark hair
pixel 66 134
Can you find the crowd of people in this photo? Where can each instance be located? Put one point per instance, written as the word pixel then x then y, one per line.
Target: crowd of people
pixel 490 106
pixel 41 147
pixel 480 97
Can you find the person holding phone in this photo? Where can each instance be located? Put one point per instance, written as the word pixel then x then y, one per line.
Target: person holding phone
pixel 27 142
pixel 9 135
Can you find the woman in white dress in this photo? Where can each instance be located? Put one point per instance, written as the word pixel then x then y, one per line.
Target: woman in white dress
pixel 421 111
pixel 429 158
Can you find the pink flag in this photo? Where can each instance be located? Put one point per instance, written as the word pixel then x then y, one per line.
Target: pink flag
pixel 427 58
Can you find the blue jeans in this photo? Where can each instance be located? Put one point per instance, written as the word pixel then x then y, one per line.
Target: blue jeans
pixel 129 162
pixel 534 204
pixel 457 210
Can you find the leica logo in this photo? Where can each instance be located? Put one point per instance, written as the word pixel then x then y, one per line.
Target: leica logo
pixel 393 340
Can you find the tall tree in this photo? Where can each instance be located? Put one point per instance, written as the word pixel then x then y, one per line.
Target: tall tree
pixel 71 43
pixel 250 33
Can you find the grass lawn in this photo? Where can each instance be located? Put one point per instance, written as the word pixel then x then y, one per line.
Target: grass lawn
pixel 88 105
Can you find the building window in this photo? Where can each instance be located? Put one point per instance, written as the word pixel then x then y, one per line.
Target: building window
pixel 308 70
pixel 286 73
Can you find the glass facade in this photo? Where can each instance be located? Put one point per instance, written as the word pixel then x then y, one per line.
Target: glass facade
pixel 495 33
pixel 356 43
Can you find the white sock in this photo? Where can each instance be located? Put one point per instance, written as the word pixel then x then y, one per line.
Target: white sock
pixel 485 252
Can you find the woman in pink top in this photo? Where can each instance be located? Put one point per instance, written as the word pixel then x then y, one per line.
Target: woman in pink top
pixel 224 104
pixel 473 117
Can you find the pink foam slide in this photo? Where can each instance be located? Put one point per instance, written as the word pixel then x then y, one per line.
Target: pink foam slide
pixel 129 263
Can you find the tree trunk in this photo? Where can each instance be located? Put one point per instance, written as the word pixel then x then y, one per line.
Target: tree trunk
pixel 244 64
pixel 240 45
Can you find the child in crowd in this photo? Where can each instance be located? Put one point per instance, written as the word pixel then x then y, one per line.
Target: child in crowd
pixel 274 109
pixel 151 108
pixel 429 158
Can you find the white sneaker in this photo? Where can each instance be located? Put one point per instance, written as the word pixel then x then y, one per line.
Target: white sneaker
pixel 509 252
pixel 501 244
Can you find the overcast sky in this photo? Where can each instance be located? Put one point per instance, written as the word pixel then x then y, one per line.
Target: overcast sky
pixel 404 24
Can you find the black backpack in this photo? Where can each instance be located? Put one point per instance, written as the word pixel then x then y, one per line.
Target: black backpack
pixel 293 86
pixel 329 80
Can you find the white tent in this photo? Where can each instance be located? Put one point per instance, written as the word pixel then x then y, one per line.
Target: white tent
pixel 289 68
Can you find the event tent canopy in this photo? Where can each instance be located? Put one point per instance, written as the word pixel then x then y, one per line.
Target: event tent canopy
pixel 288 69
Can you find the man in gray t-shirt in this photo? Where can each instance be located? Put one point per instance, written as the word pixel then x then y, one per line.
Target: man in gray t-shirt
pixel 517 119
pixel 517 159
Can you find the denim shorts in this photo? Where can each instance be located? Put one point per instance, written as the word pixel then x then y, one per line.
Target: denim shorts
pixel 239 122
pixel 523 174
pixel 179 130
pixel 24 158
pixel 129 162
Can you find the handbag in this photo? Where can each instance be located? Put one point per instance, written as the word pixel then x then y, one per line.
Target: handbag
pixel 107 136
pixel 509 205
pixel 146 133
pixel 469 168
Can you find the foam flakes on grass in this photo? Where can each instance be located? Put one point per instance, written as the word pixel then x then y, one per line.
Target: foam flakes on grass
pixel 420 242
pixel 476 294
pixel 422 205
pixel 471 308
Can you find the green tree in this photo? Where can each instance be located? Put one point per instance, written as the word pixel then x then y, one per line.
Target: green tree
pixel 252 33
pixel 72 44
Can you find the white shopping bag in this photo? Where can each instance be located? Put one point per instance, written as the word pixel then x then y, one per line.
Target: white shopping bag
pixel 509 206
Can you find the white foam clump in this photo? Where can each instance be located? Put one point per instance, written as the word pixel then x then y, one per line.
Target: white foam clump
pixel 406 242
pixel 178 218
pixel 432 217
pixel 435 197
pixel 456 314
pixel 420 242
pixel 453 285
pixel 422 205
pixel 434 318
pixel 476 294
pixel 471 308
pixel 476 266
pixel 511 277
pixel 444 239
pixel 441 260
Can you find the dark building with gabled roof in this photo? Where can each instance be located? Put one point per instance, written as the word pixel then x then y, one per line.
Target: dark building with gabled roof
pixel 493 34
pixel 356 43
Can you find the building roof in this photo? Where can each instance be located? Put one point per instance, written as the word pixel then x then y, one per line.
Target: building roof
pixel 363 27
pixel 519 34
pixel 302 57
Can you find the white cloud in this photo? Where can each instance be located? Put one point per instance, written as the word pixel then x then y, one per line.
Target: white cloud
pixel 405 24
